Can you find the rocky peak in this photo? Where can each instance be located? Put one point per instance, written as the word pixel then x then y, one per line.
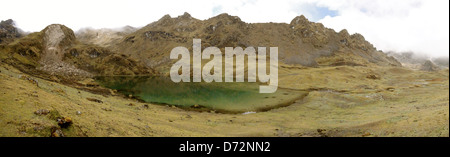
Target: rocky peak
pixel 310 32
pixel 165 17
pixel 185 16
pixel 300 20
pixel 358 37
pixel 8 31
pixel 8 26
pixel 344 33
pixel 227 19
pixel 167 20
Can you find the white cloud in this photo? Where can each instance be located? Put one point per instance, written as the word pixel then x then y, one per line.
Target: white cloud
pixel 401 25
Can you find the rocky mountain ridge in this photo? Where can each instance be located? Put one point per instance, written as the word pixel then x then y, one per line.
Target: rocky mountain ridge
pixel 300 42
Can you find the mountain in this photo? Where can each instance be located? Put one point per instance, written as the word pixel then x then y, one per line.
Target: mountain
pixel 55 51
pixel 300 42
pixel 8 32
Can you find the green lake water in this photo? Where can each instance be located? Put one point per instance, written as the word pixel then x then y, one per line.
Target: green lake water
pixel 224 96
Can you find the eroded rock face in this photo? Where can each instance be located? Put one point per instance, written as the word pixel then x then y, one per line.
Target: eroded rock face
pixel 53 36
pixel 57 38
pixel 55 41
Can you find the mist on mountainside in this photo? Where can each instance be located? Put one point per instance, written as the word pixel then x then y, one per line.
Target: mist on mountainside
pixel 420 61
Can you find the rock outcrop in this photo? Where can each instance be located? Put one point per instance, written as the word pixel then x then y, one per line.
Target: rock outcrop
pixel 429 66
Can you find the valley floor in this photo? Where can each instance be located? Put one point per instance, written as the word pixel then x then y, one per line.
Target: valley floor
pixel 342 101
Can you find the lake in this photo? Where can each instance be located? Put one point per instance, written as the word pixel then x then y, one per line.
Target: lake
pixel 234 97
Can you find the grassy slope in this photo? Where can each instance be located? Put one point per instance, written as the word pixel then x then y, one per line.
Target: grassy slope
pixel 342 101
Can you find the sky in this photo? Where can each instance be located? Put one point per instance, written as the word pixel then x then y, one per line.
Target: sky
pixel 420 26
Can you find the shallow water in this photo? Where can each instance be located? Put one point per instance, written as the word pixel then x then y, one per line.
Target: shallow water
pixel 226 96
